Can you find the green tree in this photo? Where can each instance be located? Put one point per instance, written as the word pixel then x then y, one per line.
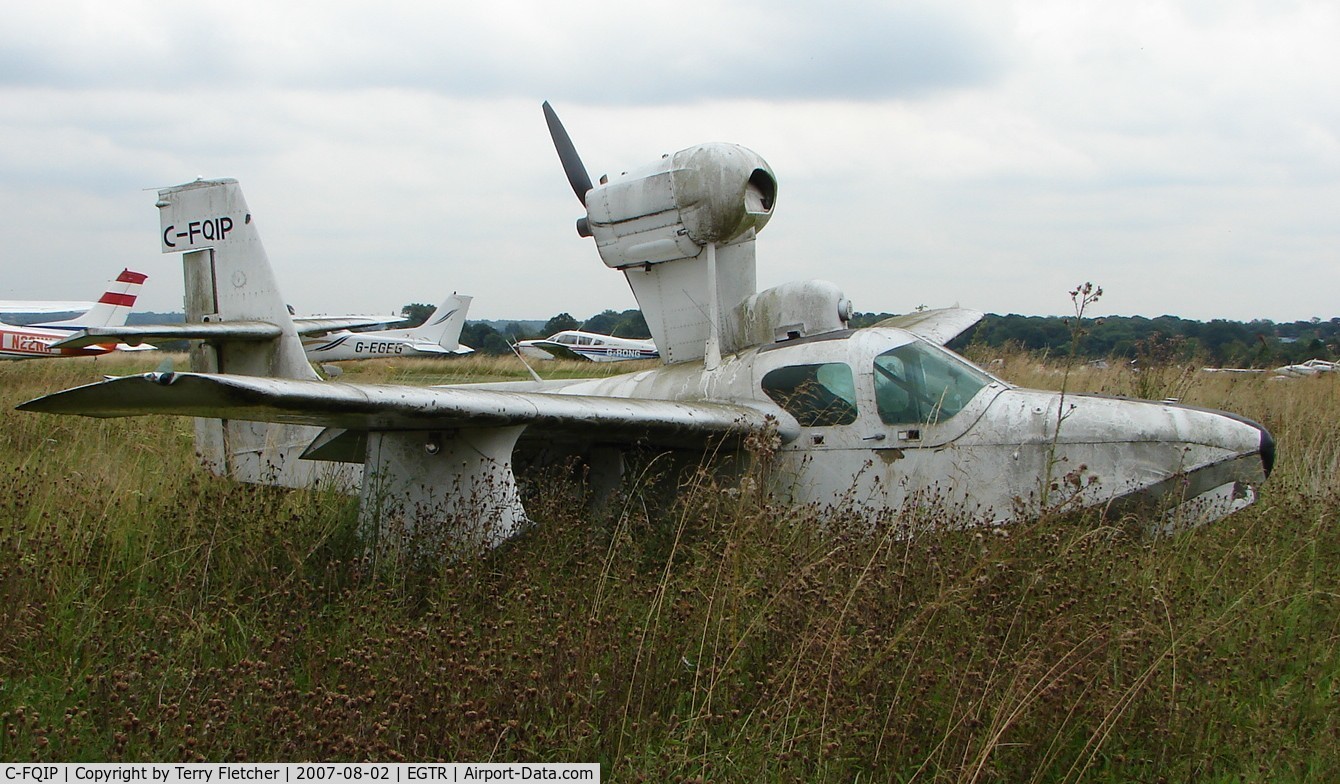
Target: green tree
pixel 603 322
pixel 632 324
pixel 561 322
pixel 416 313
pixel 483 338
pixel 861 320
pixel 495 343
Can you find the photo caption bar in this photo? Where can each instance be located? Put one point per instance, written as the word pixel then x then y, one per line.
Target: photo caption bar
pixel 317 773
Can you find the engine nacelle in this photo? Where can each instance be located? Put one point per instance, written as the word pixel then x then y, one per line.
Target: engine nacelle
pixel 711 193
pixel 791 310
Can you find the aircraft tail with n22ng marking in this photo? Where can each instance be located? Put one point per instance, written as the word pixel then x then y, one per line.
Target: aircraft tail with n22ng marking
pixel 111 309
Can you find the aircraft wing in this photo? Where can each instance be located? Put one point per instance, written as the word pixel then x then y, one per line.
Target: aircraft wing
pixel 320 325
pixel 557 350
pixel 134 334
pixel 43 306
pixel 373 407
pixel 938 326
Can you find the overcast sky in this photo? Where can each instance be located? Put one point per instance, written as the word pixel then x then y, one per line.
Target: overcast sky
pixel 993 153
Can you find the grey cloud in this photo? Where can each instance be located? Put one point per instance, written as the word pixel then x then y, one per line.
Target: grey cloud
pixel 775 51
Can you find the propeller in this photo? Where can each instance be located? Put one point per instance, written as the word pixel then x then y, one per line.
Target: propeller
pixel 567 153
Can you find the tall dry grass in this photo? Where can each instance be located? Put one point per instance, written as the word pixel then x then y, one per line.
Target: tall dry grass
pixel 151 612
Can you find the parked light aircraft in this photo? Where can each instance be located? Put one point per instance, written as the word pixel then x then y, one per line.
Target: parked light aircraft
pixel 1312 367
pixel 438 336
pixel 1308 369
pixel 35 340
pixel 878 421
pixel 575 344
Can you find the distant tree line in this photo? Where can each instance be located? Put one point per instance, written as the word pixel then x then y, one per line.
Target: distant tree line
pixel 1257 343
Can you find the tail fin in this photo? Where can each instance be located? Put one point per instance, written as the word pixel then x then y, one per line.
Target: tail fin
pixel 444 326
pixel 228 278
pixel 112 307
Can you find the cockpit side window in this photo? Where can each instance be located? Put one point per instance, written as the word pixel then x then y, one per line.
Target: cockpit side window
pixel 917 384
pixel 816 395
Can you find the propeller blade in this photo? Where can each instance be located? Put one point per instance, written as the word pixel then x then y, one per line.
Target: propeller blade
pixel 567 153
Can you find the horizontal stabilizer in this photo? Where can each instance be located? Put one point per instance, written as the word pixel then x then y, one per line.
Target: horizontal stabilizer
pixel 433 348
pixel 938 326
pixel 392 408
pixel 150 333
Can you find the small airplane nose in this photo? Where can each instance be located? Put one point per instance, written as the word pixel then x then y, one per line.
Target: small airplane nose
pixel 1266 445
pixel 1267 450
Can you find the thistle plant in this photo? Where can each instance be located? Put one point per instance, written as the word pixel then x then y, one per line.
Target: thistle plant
pixel 1081 298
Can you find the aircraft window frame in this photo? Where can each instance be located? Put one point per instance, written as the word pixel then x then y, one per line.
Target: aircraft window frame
pixel 818 395
pixel 918 384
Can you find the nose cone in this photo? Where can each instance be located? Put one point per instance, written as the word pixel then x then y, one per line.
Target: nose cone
pixel 1187 464
pixel 1212 464
pixel 1265 443
pixel 1267 451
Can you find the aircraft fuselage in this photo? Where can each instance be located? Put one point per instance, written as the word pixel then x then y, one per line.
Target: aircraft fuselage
pixel 345 345
pixel 35 342
pixel 880 422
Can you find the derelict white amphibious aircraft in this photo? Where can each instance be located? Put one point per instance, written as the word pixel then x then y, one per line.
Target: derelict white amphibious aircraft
pixel 878 421
pixel 34 341
pixel 439 335
pixel 575 344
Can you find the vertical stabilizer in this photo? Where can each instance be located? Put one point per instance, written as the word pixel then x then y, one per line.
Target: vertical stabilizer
pixel 112 308
pixel 228 278
pixel 444 326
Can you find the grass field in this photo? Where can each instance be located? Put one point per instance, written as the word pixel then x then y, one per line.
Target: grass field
pixel 149 611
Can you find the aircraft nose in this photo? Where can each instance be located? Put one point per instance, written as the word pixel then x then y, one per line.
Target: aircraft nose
pixel 1267 450
pixel 1266 446
pixel 1266 443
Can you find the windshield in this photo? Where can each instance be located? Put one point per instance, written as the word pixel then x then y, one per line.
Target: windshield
pixel 920 384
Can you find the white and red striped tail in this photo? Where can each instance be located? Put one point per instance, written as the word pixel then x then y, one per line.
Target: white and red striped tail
pixel 113 307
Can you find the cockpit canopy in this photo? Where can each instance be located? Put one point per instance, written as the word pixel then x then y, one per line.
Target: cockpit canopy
pixel 572 339
pixel 915 383
pixel 920 383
